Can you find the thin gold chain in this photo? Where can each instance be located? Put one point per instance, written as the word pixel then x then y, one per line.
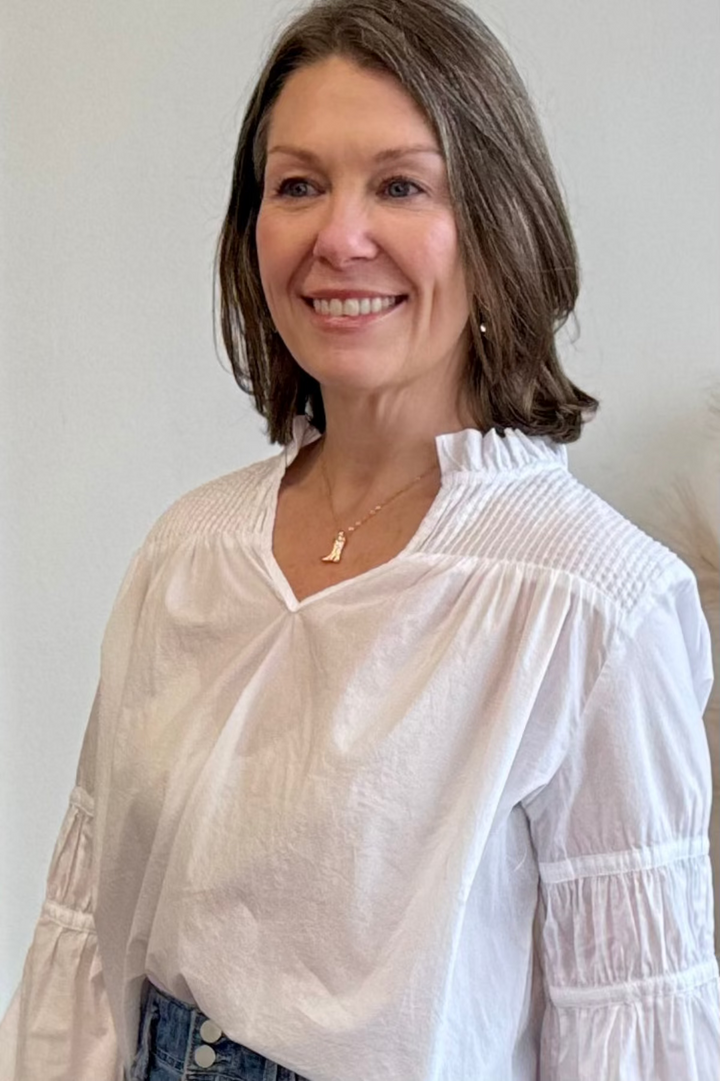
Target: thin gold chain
pixel 343 534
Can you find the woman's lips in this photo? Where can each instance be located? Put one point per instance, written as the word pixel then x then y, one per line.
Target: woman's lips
pixel 353 315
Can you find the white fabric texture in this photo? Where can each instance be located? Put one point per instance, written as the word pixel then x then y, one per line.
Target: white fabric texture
pixel 447 819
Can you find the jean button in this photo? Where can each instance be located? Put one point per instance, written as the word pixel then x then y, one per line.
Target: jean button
pixel 204 1056
pixel 210 1032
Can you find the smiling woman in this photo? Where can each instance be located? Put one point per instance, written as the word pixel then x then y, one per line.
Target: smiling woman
pixel 369 223
pixel 397 767
pixel 364 280
pixel 452 131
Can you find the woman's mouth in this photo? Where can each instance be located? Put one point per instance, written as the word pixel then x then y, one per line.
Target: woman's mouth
pixel 352 307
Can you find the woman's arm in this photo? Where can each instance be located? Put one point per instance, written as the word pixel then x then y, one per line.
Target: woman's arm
pixel 621 833
pixel 58 1026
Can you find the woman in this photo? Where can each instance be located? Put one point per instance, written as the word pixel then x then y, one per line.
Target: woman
pixel 396 768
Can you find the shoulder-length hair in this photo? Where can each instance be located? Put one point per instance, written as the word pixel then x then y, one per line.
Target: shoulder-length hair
pixel 516 242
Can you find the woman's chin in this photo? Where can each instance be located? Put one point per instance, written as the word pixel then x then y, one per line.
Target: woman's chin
pixel 353 371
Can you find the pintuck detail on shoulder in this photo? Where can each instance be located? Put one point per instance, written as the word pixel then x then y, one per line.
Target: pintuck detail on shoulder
pixel 228 504
pixel 547 519
pixel 510 500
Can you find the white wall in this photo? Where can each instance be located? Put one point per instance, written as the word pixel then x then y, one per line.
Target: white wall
pixel 117 128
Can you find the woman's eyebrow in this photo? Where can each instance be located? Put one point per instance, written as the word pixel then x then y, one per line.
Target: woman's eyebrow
pixel 382 155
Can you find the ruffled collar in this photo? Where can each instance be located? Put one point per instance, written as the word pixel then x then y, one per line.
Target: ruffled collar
pixel 467 451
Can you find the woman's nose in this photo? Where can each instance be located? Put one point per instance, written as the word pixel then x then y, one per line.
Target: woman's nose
pixel 343 232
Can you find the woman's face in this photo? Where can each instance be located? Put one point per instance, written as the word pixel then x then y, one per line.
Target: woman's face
pixel 355 217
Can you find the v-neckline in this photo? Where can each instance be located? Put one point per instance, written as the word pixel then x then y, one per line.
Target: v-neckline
pixel 467 456
pixel 276 573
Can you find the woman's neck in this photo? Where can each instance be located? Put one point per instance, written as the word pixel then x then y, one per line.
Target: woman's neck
pixel 368 451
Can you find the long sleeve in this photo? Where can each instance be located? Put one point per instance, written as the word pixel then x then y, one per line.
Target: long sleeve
pixel 621 833
pixel 58 1026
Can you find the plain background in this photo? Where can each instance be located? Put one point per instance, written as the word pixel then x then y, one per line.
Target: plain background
pixel 117 132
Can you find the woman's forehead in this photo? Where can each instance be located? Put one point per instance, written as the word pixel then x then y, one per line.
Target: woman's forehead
pixel 337 98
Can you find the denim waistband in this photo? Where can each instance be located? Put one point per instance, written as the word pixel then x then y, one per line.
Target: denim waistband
pixel 178 1042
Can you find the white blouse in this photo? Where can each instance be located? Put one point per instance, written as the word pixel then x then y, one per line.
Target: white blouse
pixel 445 820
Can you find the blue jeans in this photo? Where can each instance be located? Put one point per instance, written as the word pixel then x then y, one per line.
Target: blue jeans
pixel 178 1042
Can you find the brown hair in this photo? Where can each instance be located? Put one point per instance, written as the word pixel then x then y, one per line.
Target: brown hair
pixel 516 242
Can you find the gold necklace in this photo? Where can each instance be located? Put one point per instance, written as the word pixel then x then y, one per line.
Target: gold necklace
pixel 342 534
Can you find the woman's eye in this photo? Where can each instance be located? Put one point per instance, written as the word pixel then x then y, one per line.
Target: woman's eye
pixel 399 187
pixel 293 186
pixel 297 187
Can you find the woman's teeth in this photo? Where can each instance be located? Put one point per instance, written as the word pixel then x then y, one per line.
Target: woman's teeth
pixel 353 305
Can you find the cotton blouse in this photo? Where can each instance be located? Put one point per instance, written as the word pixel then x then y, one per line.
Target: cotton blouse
pixel 444 821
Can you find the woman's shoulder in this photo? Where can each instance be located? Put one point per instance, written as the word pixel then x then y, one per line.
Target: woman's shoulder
pixel 226 504
pixel 555 522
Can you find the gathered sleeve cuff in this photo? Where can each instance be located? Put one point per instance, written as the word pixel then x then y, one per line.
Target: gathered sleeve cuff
pixel 631 982
pixel 58 1026
pixel 621 837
